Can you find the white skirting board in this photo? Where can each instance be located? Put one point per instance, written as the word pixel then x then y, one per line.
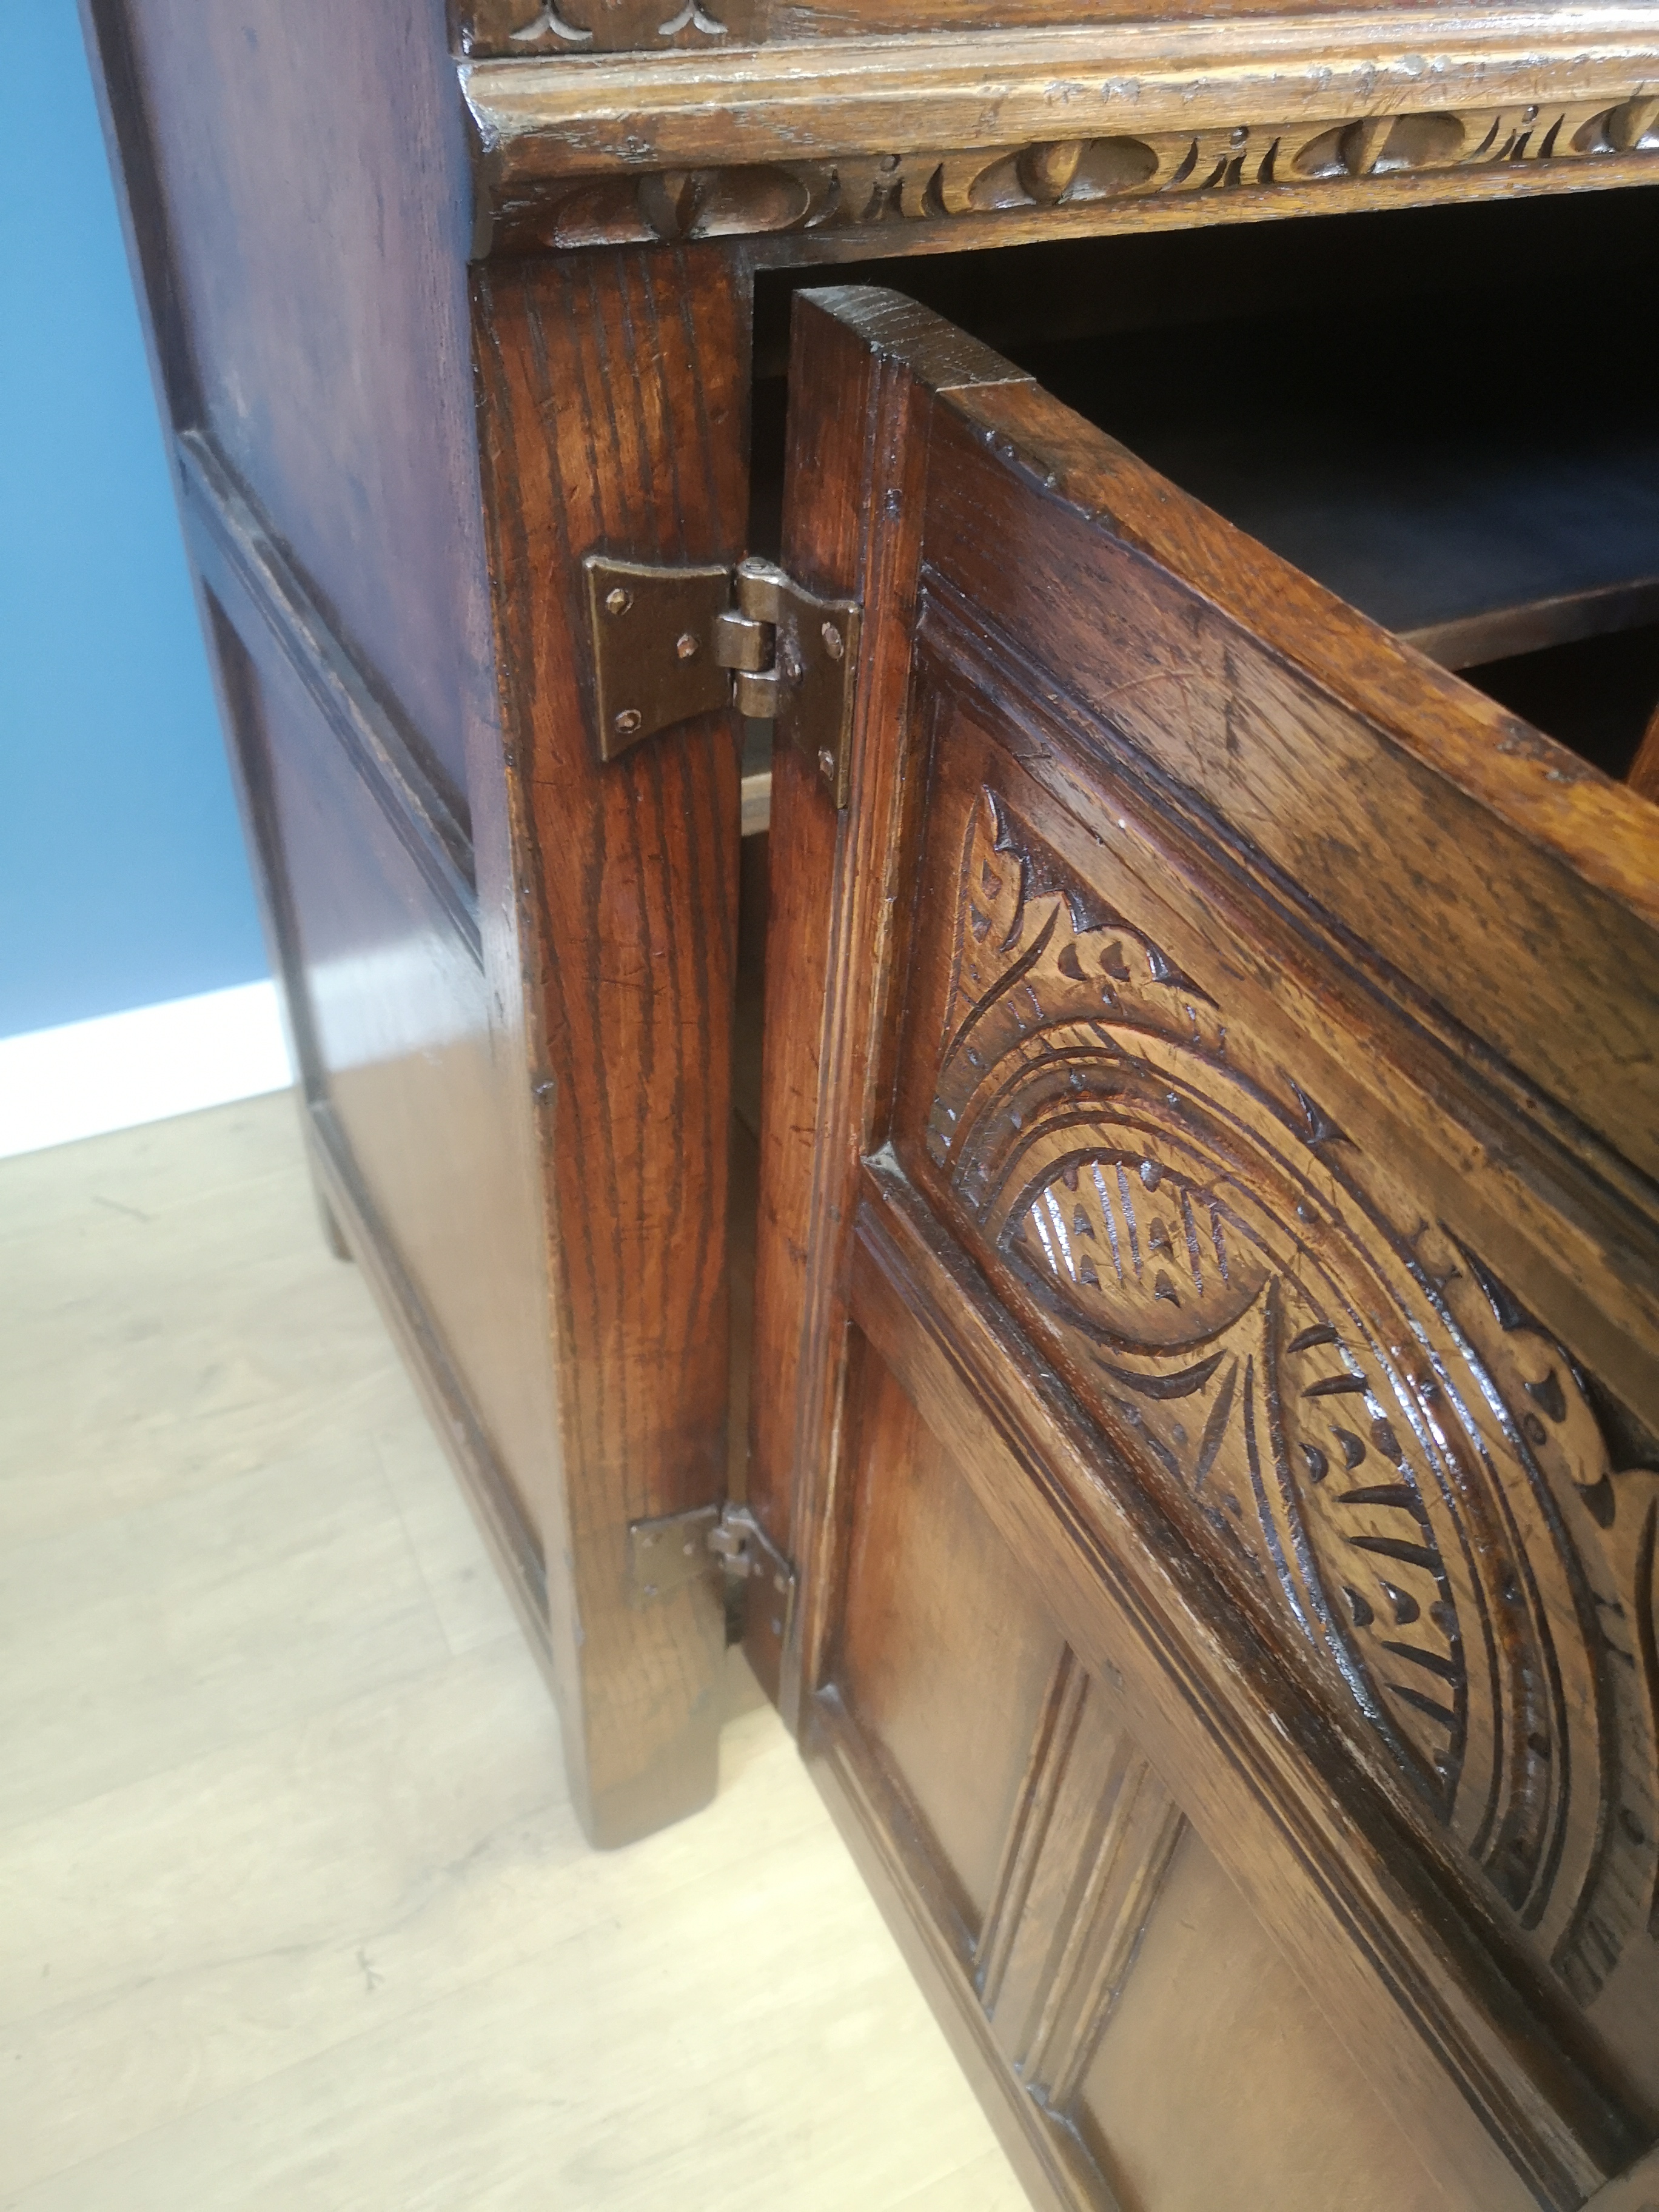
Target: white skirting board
pixel 87 1078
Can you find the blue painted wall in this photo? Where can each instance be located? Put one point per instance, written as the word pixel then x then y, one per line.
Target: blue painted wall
pixel 122 875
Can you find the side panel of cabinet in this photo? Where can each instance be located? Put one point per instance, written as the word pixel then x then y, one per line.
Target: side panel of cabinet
pixel 296 217
pixel 311 195
pixel 508 971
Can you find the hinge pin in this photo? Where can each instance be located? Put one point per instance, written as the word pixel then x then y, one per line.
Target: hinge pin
pixel 809 642
pixel 663 639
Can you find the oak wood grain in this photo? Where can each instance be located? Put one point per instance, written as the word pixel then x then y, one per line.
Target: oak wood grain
pixel 855 538
pixel 320 315
pixel 1135 1610
pixel 942 1654
pixel 1644 770
pixel 612 419
pixel 1027 1000
pixel 1006 87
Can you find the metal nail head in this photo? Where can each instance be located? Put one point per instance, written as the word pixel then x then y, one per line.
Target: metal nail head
pixel 617 601
pixel 628 722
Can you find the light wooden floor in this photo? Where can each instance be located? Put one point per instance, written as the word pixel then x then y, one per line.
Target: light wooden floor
pixel 294 1912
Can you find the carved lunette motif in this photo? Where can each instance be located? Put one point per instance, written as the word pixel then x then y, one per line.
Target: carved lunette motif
pixel 1373 1436
pixel 1062 175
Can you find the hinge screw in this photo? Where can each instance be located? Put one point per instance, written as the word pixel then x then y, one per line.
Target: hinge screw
pixel 832 642
pixel 827 765
pixel 617 601
pixel 627 722
pixel 685 646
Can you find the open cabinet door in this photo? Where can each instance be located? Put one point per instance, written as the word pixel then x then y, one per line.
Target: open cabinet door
pixel 1208 1299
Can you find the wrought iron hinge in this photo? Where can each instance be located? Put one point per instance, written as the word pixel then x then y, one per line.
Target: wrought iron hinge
pixel 671 643
pixel 677 1548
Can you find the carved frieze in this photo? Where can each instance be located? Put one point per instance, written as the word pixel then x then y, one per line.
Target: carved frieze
pixel 1411 1478
pixel 1060 175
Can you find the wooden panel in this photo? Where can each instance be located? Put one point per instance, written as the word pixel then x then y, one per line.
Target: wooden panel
pixel 945 1656
pixel 1083 1868
pixel 395 1042
pixel 1512 1064
pixel 1159 860
pixel 233 551
pixel 1090 1934
pixel 838 539
pixel 314 320
pixel 1321 1854
pixel 1419 757
pixel 1124 1247
pixel 1241 1334
pixel 612 399
pixel 312 171
pixel 919 1907
pixel 1218 2083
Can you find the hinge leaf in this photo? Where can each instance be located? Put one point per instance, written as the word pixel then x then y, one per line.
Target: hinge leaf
pixel 668 644
pixel 652 631
pixel 674 1549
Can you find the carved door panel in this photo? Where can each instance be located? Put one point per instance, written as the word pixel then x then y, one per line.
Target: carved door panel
pixel 1212 1242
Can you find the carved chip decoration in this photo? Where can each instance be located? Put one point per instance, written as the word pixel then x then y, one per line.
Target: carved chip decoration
pixel 931 185
pixel 517 27
pixel 1404 1468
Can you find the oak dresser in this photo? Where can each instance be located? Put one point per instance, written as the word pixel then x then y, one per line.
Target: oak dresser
pixel 942 707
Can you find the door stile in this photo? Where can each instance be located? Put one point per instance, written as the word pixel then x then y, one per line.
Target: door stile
pixel 859 416
pixel 828 550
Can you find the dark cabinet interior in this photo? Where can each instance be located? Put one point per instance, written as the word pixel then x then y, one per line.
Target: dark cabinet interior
pixel 1442 415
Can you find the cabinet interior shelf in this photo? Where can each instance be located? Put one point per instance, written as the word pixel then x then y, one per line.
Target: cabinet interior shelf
pixel 1477 518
